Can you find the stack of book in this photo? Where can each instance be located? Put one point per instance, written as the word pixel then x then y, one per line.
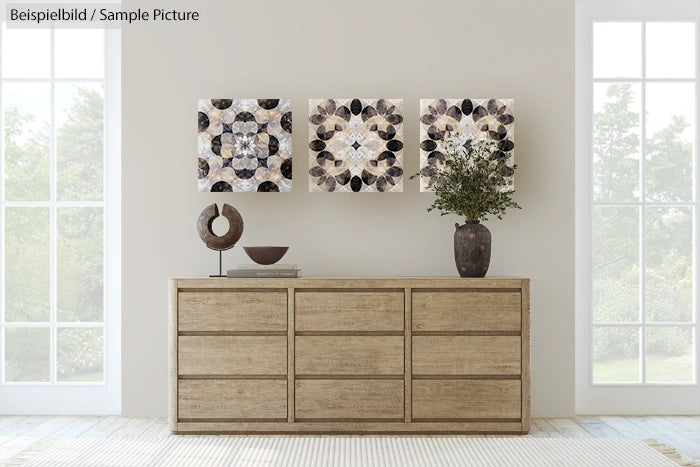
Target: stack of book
pixel 261 270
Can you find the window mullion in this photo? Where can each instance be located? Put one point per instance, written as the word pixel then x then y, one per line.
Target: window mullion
pixel 2 220
pixel 635 324
pixel 52 216
pixel 642 212
pixel 55 80
pixel 106 100
pixel 645 80
pixel 590 205
pixel 696 174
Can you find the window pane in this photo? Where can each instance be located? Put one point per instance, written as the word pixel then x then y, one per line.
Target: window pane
pixel 80 354
pixel 26 53
pixel 670 137
pixel 79 145
pixel 670 50
pixel 615 264
pixel 27 259
pixel 616 148
pixel 89 63
pixel 26 111
pixel 615 355
pixel 79 256
pixel 669 264
pixel 617 50
pixel 27 354
pixel 669 355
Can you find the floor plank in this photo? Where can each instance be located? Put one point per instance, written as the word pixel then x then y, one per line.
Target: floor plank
pixel 681 424
pixel 568 428
pixel 159 429
pixel 6 420
pixel 692 422
pixel 105 427
pixel 133 428
pixel 667 433
pixel 79 426
pixel 21 425
pixel 625 427
pixel 597 428
pixel 544 429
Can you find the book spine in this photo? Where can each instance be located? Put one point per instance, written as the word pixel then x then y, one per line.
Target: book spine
pixel 267 267
pixel 256 273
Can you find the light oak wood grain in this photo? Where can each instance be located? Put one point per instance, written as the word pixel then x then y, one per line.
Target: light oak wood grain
pixel 172 354
pixel 349 311
pixel 497 399
pixel 568 428
pixel 232 355
pixel 349 399
pixel 347 355
pixel 525 354
pixel 464 355
pixel 466 311
pixel 351 428
pixel 206 399
pixel 290 355
pixel 350 283
pixel 408 316
pixel 232 311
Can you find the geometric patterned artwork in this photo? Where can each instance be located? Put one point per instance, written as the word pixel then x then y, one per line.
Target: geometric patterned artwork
pixel 245 145
pixel 466 119
pixel 355 145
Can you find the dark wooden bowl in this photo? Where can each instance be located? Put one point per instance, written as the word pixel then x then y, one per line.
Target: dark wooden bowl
pixel 265 254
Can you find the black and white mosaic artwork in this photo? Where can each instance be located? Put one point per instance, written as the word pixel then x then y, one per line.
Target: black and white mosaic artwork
pixel 466 119
pixel 356 145
pixel 245 145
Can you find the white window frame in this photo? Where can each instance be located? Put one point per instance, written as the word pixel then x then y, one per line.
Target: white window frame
pixel 78 398
pixel 621 398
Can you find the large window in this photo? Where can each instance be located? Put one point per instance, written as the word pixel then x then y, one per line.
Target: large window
pixel 637 195
pixel 59 221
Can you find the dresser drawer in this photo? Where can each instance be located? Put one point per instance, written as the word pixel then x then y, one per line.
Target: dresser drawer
pixel 349 399
pixel 232 355
pixel 466 311
pixel 470 399
pixel 348 355
pixel 466 355
pixel 232 311
pixel 349 311
pixel 226 399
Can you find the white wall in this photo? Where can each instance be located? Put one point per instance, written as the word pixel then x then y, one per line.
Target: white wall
pixel 337 48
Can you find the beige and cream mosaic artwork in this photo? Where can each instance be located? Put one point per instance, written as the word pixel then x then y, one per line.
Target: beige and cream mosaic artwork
pixel 466 119
pixel 245 145
pixel 356 145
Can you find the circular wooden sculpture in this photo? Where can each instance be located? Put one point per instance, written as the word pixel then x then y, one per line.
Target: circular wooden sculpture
pixel 206 233
pixel 223 242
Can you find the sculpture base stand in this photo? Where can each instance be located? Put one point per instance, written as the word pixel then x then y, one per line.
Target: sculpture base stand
pixel 221 274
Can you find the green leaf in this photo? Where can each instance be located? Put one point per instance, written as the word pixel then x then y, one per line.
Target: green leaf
pixel 469 184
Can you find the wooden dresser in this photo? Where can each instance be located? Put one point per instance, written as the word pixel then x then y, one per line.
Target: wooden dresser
pixel 345 355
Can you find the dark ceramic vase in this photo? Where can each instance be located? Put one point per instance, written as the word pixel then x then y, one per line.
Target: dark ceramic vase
pixel 472 249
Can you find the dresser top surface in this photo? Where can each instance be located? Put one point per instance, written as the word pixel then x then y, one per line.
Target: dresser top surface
pixel 353 282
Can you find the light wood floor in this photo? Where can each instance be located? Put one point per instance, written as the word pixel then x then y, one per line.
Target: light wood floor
pixel 17 433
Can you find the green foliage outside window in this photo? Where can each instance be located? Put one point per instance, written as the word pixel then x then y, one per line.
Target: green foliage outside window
pixel 79 240
pixel 668 260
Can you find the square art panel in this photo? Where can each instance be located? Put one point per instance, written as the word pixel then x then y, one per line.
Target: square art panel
pixel 466 119
pixel 355 145
pixel 245 145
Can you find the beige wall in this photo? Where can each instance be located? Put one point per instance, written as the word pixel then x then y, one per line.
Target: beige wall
pixel 340 48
